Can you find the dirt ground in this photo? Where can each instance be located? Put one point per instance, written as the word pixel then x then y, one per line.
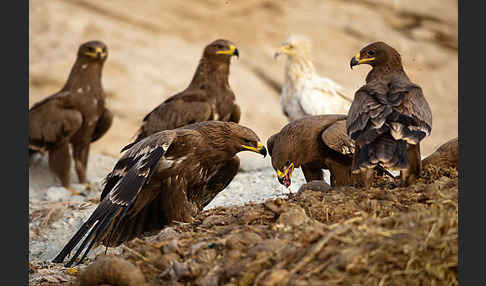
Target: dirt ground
pixel 343 236
pixel 155 46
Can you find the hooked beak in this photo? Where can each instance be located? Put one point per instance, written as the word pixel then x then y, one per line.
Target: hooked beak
pixel 357 60
pixel 285 177
pixel 97 54
pixel 232 51
pixel 260 149
pixel 354 61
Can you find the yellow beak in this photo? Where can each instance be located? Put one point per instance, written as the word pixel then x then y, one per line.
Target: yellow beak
pixel 289 170
pixel 258 149
pixel 357 60
pixel 284 49
pixel 98 53
pixel 232 51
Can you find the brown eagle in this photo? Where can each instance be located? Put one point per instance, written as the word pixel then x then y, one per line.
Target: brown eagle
pixel 168 176
pixel 389 115
pixel 313 143
pixel 76 115
pixel 208 96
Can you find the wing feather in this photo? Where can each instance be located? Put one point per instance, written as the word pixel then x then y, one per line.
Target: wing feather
pixel 335 137
pixel 123 188
pixel 51 124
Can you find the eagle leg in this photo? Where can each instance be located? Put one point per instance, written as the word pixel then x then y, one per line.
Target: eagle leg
pixel 411 174
pixel 313 172
pixel 236 114
pixel 340 174
pixel 80 155
pixel 60 164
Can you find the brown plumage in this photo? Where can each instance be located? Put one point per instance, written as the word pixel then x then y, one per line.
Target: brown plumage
pixel 169 176
pixel 389 115
pixel 208 96
pixel 76 115
pixel 313 143
pixel 446 156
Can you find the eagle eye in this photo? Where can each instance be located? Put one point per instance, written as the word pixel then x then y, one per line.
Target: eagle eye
pixel 371 53
pixel 220 47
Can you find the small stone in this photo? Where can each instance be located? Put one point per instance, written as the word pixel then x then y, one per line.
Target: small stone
pixel 293 217
pixel 318 186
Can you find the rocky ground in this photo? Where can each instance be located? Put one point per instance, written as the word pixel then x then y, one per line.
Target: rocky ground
pixel 255 233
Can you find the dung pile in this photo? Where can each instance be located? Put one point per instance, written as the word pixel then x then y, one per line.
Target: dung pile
pixel 345 236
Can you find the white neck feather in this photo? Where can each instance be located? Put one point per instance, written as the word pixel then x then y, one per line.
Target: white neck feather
pixel 298 68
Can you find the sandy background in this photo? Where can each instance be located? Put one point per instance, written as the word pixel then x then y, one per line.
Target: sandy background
pixel 154 47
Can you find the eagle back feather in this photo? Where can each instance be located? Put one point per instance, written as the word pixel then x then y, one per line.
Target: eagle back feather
pixel 398 107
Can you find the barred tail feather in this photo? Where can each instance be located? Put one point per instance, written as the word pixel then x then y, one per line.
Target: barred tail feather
pixel 119 195
pixel 384 151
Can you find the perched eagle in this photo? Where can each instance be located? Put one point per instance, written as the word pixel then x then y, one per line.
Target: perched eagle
pixel 168 176
pixel 313 143
pixel 389 115
pixel 75 115
pixel 208 96
pixel 304 92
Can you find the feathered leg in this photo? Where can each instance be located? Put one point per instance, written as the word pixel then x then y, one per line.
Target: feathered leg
pixel 80 155
pixel 340 174
pixel 312 172
pixel 411 174
pixel 60 164
pixel 236 114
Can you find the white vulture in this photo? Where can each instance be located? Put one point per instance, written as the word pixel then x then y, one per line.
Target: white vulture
pixel 304 92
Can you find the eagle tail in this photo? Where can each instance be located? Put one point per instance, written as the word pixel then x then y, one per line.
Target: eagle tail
pixel 97 222
pixel 114 206
pixel 385 151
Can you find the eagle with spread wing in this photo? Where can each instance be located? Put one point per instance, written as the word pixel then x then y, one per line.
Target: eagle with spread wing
pixel 304 92
pixel 168 176
pixel 208 96
pixel 76 115
pixel 389 115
